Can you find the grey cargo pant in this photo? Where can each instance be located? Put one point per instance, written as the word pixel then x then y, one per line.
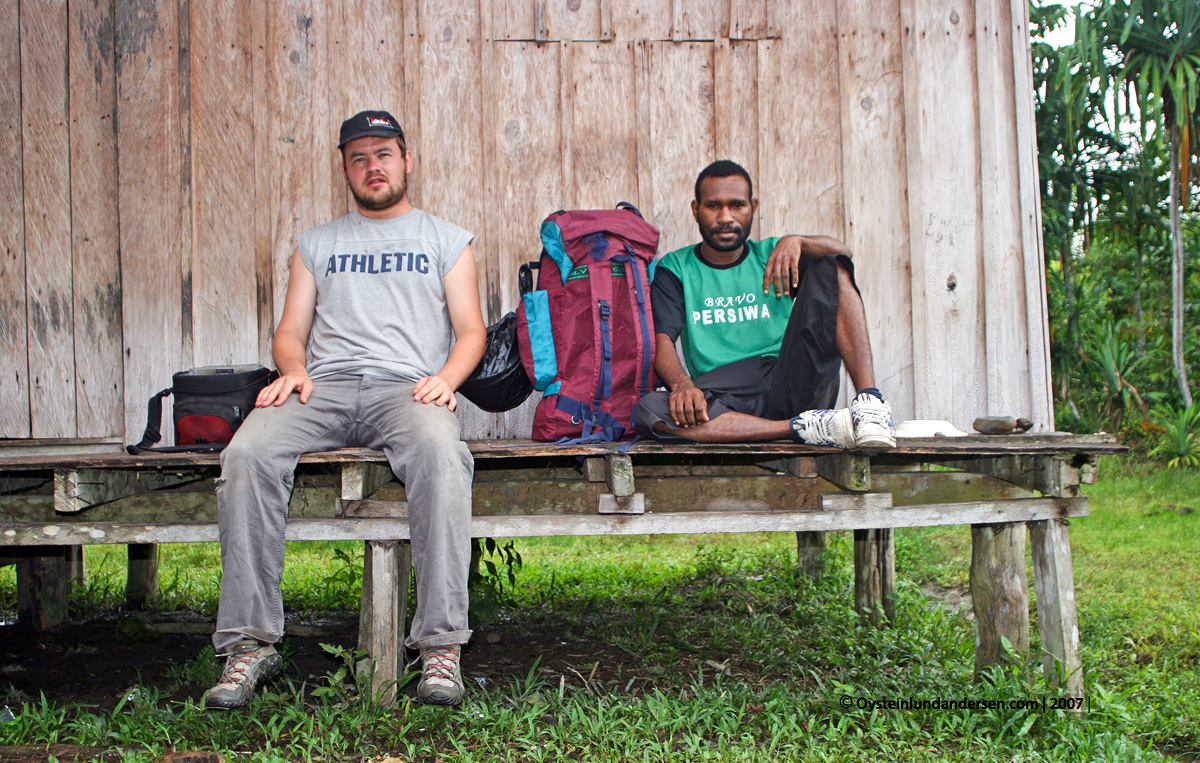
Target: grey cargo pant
pixel 423 447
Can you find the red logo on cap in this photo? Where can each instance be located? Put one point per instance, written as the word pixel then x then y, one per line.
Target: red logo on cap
pixel 380 121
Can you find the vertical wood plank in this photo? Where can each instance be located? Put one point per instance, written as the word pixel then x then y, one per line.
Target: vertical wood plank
pixel 452 146
pixel 645 156
pixel 735 80
pixel 490 54
pixel 747 19
pixel 45 140
pixel 1058 622
pixel 942 132
pixel 1005 314
pixel 1038 343
pixel 367 33
pixel 452 143
pixel 512 19
pixel 642 19
pixel 526 133
pixel 681 93
pixel 14 337
pixel 223 119
pixel 567 107
pixel 410 95
pixel 264 268
pixel 573 20
pixel 303 158
pixel 604 141
pixel 999 593
pixel 95 233
pixel 706 21
pixel 150 133
pixel 876 186
pixel 800 153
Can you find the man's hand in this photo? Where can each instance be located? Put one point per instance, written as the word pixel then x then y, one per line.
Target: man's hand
pixel 783 266
pixel 688 406
pixel 277 391
pixel 434 389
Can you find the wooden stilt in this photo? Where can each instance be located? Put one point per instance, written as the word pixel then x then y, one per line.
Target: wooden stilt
pixel 887 572
pixel 810 553
pixel 76 570
pixel 875 575
pixel 868 586
pixel 1057 618
pixel 42 587
pixel 386 568
pixel 999 592
pixel 141 581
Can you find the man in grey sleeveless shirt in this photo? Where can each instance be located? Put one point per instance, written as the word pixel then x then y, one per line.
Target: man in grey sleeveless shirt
pixel 380 326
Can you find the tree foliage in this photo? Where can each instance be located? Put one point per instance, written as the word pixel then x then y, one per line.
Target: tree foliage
pixel 1116 113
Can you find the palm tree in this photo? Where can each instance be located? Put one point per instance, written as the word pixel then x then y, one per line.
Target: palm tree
pixel 1156 44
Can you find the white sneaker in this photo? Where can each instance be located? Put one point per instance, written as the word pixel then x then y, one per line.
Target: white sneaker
pixel 824 427
pixel 873 427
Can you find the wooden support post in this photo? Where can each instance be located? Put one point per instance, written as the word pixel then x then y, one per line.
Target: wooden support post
pixel 76 570
pixel 360 479
pixel 141 580
pixel 887 572
pixel 874 550
pixel 999 592
pixel 42 587
pixel 849 471
pixel 1057 619
pixel 868 577
pixel 384 608
pixel 810 553
pixel 620 498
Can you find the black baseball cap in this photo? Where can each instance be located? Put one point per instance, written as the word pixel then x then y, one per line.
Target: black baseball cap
pixel 378 124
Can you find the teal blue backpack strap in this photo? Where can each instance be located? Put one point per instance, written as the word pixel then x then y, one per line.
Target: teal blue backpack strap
pixel 554 248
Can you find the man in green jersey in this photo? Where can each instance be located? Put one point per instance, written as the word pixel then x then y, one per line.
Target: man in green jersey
pixel 765 328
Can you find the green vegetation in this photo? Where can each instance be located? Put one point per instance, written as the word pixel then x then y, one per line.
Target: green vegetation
pixel 725 654
pixel 1117 125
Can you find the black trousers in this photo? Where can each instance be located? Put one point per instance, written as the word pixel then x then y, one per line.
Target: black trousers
pixel 803 377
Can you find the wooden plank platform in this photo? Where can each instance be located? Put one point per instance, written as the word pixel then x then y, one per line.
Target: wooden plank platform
pixel 52 502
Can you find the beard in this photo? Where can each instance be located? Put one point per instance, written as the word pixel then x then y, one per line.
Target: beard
pixel 388 198
pixel 710 236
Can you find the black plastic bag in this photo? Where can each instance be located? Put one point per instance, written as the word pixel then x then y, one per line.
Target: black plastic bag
pixel 499 383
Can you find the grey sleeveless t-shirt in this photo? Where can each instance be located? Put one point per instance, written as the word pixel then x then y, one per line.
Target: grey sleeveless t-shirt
pixel 381 300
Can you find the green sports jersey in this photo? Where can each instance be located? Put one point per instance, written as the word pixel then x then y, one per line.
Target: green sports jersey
pixel 725 316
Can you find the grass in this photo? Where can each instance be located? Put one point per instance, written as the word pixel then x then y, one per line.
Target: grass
pixel 681 608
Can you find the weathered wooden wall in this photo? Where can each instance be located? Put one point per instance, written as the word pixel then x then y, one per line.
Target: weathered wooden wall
pixel 157 160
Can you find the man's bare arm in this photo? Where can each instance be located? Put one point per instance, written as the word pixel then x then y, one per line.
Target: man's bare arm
pixel 783 266
pixel 289 346
pixel 462 301
pixel 688 406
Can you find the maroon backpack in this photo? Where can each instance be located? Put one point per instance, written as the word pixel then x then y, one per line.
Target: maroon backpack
pixel 586 334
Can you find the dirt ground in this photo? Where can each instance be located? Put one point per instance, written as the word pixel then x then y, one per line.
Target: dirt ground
pixel 87 663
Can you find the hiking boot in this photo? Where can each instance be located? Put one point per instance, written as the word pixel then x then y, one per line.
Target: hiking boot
pixel 249 663
pixel 441 680
pixel 824 427
pixel 872 418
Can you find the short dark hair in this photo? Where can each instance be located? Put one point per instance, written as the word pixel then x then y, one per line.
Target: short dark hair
pixel 723 168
